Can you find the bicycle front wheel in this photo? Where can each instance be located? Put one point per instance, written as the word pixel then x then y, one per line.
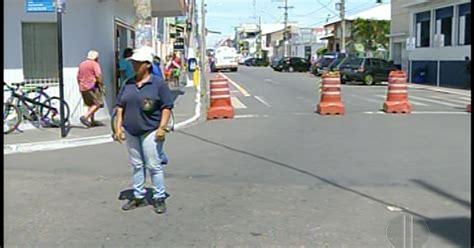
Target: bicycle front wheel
pixel 51 114
pixel 11 118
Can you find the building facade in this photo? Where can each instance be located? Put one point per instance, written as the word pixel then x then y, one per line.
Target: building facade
pixel 107 26
pixel 430 40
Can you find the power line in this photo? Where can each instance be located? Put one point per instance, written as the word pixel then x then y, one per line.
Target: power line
pixel 314 11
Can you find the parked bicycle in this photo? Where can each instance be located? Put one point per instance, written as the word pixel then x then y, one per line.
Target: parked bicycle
pixel 40 107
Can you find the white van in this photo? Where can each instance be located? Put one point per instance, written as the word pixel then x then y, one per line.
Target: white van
pixel 225 58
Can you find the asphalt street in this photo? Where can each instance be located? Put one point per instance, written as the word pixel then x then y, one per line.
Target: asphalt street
pixel 277 175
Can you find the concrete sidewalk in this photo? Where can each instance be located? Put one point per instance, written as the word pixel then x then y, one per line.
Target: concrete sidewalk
pixel 24 141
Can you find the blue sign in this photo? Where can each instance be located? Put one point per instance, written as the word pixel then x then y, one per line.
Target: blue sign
pixel 40 5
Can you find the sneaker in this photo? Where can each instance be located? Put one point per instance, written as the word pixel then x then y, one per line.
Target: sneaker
pixel 160 205
pixel 85 122
pixel 134 203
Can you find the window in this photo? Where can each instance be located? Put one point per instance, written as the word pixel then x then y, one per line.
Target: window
pixel 40 50
pixel 444 25
pixel 423 20
pixel 464 24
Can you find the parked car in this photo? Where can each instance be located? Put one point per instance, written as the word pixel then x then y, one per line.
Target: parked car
pixel 248 62
pixel 324 62
pixel 334 65
pixel 366 70
pixel 275 62
pixel 292 64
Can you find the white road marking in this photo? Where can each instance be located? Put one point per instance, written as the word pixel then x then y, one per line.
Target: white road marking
pixel 435 101
pixel 262 101
pixel 271 81
pixel 236 103
pixel 240 88
pixel 421 112
pixel 409 100
pixel 367 99
pixel 451 100
pixel 249 116
pixel 465 98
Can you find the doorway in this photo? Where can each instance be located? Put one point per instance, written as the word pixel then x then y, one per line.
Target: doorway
pixel 124 37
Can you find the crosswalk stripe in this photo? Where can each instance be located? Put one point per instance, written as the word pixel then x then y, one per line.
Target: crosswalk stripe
pixel 367 99
pixel 236 103
pixel 465 98
pixel 435 101
pixel 451 100
pixel 411 101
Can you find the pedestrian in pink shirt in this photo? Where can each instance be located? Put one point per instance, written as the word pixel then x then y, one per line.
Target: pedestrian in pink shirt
pixel 91 85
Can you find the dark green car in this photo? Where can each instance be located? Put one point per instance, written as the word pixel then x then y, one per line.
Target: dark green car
pixel 292 64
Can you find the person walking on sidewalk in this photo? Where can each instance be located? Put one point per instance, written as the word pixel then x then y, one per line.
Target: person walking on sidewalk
pixel 91 85
pixel 143 107
pixel 125 66
pixel 175 69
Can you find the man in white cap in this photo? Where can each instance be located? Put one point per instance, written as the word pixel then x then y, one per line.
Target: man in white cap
pixel 91 82
pixel 143 110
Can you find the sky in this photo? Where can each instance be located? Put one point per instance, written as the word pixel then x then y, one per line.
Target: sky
pixel 224 15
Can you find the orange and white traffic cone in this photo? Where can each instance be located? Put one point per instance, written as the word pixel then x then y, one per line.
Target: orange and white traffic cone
pixel 330 102
pixel 221 105
pixel 397 94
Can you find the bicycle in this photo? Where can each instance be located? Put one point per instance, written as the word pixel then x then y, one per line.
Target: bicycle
pixel 39 95
pixel 47 112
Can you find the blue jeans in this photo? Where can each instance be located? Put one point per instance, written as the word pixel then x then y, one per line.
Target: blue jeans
pixel 145 153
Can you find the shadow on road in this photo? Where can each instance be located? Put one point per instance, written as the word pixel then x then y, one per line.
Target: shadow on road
pixel 306 173
pixel 456 230
pixel 128 195
pixel 441 192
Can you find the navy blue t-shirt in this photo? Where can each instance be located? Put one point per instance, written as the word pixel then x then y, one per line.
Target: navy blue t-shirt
pixel 142 106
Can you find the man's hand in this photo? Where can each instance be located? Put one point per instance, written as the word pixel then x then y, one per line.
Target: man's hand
pixel 119 136
pixel 160 134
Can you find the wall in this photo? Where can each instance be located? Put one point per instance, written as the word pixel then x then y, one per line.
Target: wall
pixel 87 24
pixel 450 58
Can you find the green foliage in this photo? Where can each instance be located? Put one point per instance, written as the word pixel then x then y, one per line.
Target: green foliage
pixel 371 33
pixel 321 50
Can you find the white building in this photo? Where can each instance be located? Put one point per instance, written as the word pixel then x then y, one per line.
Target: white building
pixel 107 26
pixel 434 37
pixel 306 42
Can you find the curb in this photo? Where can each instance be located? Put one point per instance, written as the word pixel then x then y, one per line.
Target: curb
pixel 85 141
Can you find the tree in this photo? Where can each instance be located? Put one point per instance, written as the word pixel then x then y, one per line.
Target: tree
pixel 372 34
pixel 321 50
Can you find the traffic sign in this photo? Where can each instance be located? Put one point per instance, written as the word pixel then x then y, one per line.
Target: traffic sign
pixel 40 5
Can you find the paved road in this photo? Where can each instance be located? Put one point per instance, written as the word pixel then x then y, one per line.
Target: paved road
pixel 278 175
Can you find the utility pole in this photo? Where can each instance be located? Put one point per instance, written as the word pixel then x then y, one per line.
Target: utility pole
pixel 285 32
pixel 259 39
pixel 203 33
pixel 143 25
pixel 343 26
pixel 60 5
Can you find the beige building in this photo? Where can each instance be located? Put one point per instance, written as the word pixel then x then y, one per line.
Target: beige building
pixel 430 40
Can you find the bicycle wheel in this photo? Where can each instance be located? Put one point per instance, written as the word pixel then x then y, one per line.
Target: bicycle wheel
pixel 50 113
pixel 11 118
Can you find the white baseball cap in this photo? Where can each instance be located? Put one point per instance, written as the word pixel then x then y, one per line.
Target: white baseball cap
pixel 93 55
pixel 142 54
